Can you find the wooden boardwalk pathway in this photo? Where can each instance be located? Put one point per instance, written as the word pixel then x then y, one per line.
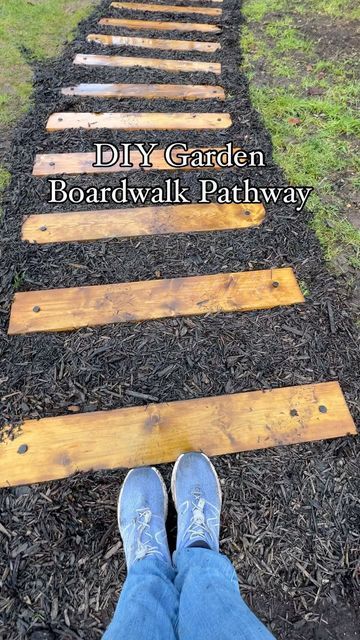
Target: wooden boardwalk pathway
pixel 56 447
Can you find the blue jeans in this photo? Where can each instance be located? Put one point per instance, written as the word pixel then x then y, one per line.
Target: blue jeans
pixel 197 599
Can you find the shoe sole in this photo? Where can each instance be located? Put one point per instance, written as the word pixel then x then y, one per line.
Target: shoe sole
pixel 164 490
pixel 173 476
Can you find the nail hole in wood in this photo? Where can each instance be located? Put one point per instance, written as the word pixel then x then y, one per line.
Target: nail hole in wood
pixel 23 448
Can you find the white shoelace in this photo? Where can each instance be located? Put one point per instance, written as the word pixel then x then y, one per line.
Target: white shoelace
pixel 198 527
pixel 143 529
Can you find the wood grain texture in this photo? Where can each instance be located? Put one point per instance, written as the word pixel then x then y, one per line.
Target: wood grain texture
pixel 150 63
pixel 150 121
pixel 117 223
pixel 166 8
pixel 148 91
pixel 74 163
pixel 73 308
pixel 156 25
pixel 158 433
pixel 154 43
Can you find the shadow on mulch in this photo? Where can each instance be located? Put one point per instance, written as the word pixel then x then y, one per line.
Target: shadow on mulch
pixel 291 515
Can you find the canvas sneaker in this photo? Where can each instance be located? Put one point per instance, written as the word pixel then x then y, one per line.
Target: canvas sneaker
pixel 142 512
pixel 196 493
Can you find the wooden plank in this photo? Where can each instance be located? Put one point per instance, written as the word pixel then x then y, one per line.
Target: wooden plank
pixel 150 63
pixel 73 308
pixel 57 447
pixel 148 91
pixel 155 25
pixel 166 8
pixel 150 121
pixel 51 164
pixel 154 43
pixel 116 223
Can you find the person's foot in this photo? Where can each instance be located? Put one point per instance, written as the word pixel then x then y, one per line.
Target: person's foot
pixel 142 512
pixel 196 493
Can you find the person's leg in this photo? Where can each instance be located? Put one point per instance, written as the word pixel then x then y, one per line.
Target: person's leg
pixel 210 602
pixel 148 604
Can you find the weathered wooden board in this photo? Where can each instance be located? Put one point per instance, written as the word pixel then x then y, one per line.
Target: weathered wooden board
pixel 73 163
pixel 166 8
pixel 148 91
pixel 56 447
pixel 150 63
pixel 73 308
pixel 155 25
pixel 154 43
pixel 150 121
pixel 112 223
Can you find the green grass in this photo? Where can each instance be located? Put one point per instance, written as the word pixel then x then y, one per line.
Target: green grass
pixel 285 36
pixel 318 147
pixel 304 288
pixel 333 8
pixel 256 10
pixel 4 181
pixel 18 280
pixel 30 31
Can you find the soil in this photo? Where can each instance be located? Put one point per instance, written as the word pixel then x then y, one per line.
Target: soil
pixel 333 39
pixel 291 515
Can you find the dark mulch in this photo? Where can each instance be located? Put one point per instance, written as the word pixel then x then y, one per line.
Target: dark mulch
pixel 291 515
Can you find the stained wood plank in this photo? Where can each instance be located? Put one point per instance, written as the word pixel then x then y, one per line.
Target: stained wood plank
pixel 150 121
pixel 154 43
pixel 73 308
pixel 58 446
pixel 111 223
pixel 74 163
pixel 155 25
pixel 150 63
pixel 148 91
pixel 166 8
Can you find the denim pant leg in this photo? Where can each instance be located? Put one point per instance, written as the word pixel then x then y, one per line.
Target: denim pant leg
pixel 148 604
pixel 210 602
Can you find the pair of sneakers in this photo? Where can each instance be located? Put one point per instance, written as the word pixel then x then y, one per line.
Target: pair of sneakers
pixel 143 504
